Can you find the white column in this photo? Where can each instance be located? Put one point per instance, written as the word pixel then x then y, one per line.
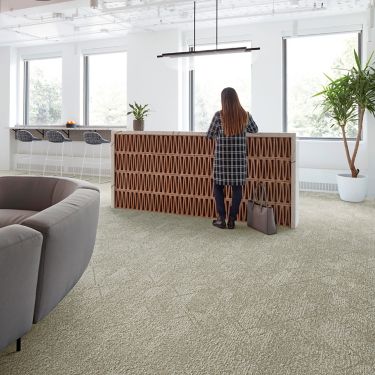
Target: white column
pixel 71 84
pixel 266 85
pixel 151 81
pixel 7 103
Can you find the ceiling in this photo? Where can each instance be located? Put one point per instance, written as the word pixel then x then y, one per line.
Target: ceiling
pixel 28 22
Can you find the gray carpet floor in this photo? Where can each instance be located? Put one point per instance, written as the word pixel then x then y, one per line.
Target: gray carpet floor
pixel 168 294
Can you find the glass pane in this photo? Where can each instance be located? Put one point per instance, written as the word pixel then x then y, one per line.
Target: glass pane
pixel 308 60
pixel 107 89
pixel 212 74
pixel 45 92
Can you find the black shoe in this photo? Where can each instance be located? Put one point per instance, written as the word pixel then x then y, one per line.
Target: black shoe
pixel 231 223
pixel 219 222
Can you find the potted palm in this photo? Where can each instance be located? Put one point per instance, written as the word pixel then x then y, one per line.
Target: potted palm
pixel 139 112
pixel 345 100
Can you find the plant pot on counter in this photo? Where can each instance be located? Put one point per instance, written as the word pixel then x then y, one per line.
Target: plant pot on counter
pixel 138 125
pixel 352 189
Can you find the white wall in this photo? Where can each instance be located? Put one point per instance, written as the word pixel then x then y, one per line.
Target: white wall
pixel 151 80
pixel 324 158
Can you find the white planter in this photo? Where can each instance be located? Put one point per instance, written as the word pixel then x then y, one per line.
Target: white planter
pixel 352 189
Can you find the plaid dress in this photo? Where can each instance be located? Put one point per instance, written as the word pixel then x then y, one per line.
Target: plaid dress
pixel 230 161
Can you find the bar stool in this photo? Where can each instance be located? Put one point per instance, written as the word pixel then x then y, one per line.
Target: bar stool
pixel 93 139
pixel 26 136
pixel 54 136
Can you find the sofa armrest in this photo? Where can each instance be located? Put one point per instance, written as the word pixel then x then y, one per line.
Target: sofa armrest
pixel 20 249
pixel 69 233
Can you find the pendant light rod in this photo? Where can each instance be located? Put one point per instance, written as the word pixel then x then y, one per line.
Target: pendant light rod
pixel 217 18
pixel 215 51
pixel 194 25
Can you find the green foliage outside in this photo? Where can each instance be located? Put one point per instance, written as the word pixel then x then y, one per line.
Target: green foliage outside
pixel 44 100
pixel 304 115
pixel 107 105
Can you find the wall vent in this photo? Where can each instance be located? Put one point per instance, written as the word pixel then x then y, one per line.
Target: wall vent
pixel 318 186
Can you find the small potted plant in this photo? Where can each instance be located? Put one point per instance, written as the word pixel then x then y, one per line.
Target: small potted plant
pixel 345 100
pixel 139 112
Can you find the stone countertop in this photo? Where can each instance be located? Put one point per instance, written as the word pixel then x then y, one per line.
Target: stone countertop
pixel 63 127
pixel 186 133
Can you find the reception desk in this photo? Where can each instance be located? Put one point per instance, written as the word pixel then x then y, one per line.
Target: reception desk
pixel 171 172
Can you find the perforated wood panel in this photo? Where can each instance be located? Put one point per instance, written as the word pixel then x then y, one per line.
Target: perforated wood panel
pixel 172 173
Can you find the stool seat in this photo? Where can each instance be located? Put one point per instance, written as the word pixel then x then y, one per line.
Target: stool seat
pixel 94 138
pixel 55 136
pixel 26 136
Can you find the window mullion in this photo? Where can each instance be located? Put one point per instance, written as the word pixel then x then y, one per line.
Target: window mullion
pixel 26 87
pixel 86 85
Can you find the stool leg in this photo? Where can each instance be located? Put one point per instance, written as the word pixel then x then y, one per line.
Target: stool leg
pixel 100 161
pixel 45 160
pixel 31 155
pixel 72 158
pixel 62 158
pixel 92 160
pixel 18 345
pixel 83 161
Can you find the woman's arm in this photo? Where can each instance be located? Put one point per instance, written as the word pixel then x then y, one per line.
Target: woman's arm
pixel 251 127
pixel 213 129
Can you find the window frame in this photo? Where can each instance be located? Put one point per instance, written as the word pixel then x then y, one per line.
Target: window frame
pixel 26 85
pixel 285 78
pixel 86 80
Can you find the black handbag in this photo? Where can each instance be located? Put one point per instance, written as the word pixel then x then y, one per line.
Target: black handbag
pixel 260 214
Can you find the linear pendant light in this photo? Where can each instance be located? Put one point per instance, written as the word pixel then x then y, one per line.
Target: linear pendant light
pixel 214 51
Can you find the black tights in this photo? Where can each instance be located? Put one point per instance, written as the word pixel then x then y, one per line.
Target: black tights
pixel 236 200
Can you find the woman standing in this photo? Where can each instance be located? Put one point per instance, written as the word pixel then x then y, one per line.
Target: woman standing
pixel 229 127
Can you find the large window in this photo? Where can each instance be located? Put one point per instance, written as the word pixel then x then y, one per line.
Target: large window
pixel 42 91
pixel 308 59
pixel 105 89
pixel 211 74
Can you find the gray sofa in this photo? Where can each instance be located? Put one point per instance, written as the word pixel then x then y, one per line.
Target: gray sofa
pixel 20 249
pixel 65 212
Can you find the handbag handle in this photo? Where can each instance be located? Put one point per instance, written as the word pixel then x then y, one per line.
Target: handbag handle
pixel 262 199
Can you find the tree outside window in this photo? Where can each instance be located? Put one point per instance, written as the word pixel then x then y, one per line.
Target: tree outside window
pixel 105 95
pixel 308 60
pixel 43 96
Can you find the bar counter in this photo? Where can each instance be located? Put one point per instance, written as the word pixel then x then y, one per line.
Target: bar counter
pixel 75 133
pixel 27 155
pixel 171 172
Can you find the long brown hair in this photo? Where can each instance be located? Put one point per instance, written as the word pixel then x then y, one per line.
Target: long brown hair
pixel 233 117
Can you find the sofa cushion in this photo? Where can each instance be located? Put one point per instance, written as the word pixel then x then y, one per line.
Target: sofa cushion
pixel 36 193
pixel 65 187
pixel 9 217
